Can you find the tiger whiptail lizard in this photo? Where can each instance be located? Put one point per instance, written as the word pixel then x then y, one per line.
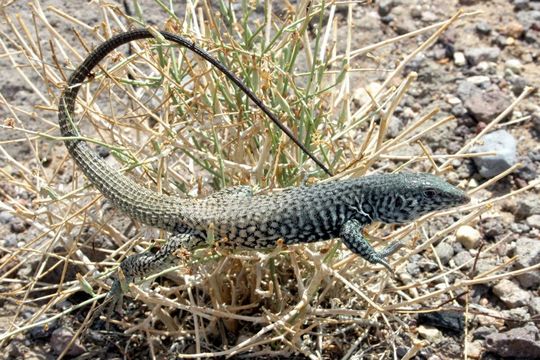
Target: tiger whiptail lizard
pixel 296 215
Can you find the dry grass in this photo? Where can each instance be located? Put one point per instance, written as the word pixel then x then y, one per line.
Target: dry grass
pixel 175 124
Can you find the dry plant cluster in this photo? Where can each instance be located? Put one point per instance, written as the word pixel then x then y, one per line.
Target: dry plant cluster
pixel 172 122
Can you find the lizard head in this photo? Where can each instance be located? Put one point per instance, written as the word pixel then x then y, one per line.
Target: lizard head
pixel 411 195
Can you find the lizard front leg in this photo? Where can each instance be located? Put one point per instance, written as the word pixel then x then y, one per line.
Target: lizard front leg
pixel 351 235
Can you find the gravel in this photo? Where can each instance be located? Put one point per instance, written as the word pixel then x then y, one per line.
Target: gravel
pixel 504 145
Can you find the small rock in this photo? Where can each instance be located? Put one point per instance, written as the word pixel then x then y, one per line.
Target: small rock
pixel 459 59
pixel 528 171
pixel 483 28
pixel 403 24
pixel 482 332
pixel 527 252
pixel 444 252
pixel 521 5
pixel 534 221
pixel 513 29
pixel 503 144
pixel 475 350
pixel 480 80
pixel 486 67
pixel 468 236
pixel 511 294
pixel 429 17
pixel 527 206
pixel 522 343
pixel 493 227
pixel 484 265
pixel 6 217
pixel 476 55
pixel 385 6
pixel 520 228
pixel 17 226
pixel 485 104
pixel 60 339
pixel 453 100
pixel 413 269
pixel 10 241
pixel 429 333
pixel 518 84
pixel 534 305
pixel 461 258
pixel 514 65
pixel 394 127
pixel 529 19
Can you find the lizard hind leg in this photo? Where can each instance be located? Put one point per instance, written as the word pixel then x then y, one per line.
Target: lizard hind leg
pixel 140 266
pixel 351 235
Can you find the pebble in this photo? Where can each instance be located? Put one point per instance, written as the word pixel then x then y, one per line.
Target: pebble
pixel 513 29
pixel 429 333
pixel 453 100
pixel 534 305
pixel 480 80
pixel 9 241
pixel 60 339
pixel 514 65
pixel 482 332
pixel 5 217
pixel 483 28
pixel 478 54
pixel 484 265
pixel 428 16
pixel 529 19
pixel 505 147
pixel 17 226
pixel 527 251
pixel 493 227
pixel 529 170
pixel 522 343
pixel 468 236
pixel 395 126
pixel 459 59
pixel 527 206
pixel 534 221
pixel 518 84
pixel 511 294
pixel 475 349
pixel 483 104
pixel 461 258
pixel 521 5
pixel 385 7
pixel 444 252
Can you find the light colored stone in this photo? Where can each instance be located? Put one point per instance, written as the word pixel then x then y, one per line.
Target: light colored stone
pixel 534 221
pixel 480 80
pixel 429 333
pixel 459 59
pixel 468 236
pixel 511 294
pixel 514 65
pixel 475 349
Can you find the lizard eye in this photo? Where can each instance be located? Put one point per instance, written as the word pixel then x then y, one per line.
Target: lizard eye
pixel 430 193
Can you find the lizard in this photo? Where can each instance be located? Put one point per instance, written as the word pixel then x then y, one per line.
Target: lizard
pixel 305 214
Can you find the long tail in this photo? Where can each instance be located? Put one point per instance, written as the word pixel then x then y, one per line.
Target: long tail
pixel 138 202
